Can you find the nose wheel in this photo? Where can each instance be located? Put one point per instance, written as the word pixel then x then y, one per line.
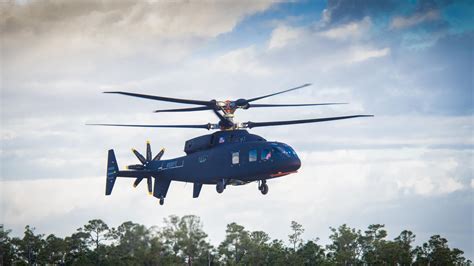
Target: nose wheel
pixel 263 187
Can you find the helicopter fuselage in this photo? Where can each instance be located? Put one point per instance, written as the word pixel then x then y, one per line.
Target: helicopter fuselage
pixel 233 157
pixel 236 163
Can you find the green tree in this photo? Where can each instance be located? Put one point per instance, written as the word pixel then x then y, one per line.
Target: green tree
pixel 255 247
pixel 232 249
pixel 7 251
pixel 295 236
pixel 371 244
pixel 54 250
pixel 311 253
pixel 187 238
pixel 344 249
pixel 77 250
pixel 30 246
pixel 277 254
pixel 97 231
pixel 437 252
pixel 405 252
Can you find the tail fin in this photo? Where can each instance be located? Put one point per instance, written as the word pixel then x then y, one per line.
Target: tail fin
pixel 112 172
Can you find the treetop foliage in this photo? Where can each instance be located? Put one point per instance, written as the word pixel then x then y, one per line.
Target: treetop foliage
pixel 182 241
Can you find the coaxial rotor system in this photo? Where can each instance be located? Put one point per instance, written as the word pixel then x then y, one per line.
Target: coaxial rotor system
pixel 225 110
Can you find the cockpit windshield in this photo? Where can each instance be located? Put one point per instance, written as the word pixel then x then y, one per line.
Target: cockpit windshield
pixel 286 150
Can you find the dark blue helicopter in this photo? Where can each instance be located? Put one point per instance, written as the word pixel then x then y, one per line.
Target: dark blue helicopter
pixel 231 156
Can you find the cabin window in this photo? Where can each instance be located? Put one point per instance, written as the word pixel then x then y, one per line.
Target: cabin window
pixel 235 157
pixel 252 155
pixel 202 158
pixel 266 154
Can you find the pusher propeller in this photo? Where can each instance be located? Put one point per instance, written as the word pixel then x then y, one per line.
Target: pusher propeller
pixel 145 161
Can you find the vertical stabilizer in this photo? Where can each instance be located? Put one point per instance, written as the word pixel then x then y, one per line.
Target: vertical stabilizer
pixel 112 172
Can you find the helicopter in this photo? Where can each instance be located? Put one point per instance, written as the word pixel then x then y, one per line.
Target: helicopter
pixel 229 156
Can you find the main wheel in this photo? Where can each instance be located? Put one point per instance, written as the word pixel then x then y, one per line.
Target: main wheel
pixel 264 189
pixel 220 187
pixel 162 201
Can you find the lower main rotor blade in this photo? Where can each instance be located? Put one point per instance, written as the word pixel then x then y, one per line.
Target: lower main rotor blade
pixel 303 121
pixel 292 105
pixel 204 126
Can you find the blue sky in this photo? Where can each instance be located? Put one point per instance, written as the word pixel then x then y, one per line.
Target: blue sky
pixel 409 63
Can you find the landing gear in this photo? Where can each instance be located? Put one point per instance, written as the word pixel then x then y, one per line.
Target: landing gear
pixel 220 186
pixel 263 187
pixel 162 200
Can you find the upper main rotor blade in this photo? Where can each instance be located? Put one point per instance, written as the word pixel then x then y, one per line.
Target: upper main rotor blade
pixel 161 98
pixel 291 122
pixel 276 93
pixel 291 105
pixel 184 109
pixel 205 126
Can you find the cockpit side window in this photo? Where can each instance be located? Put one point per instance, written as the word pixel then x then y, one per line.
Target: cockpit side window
pixel 266 154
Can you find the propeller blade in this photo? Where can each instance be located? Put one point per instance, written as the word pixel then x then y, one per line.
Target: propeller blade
pixel 158 156
pixel 136 167
pixel 149 183
pixel 148 151
pixel 205 126
pixel 292 105
pixel 139 156
pixel 161 98
pixel 137 181
pixel 203 108
pixel 292 122
pixel 276 93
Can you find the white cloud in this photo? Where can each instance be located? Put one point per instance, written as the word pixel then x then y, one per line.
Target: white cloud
pixel 363 54
pixel 401 22
pixel 282 35
pixel 239 61
pixel 352 30
pixel 67 33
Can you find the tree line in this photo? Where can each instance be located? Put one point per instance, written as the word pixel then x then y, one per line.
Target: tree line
pixel 182 240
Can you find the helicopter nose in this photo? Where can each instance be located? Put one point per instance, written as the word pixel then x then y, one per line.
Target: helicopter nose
pixel 295 164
